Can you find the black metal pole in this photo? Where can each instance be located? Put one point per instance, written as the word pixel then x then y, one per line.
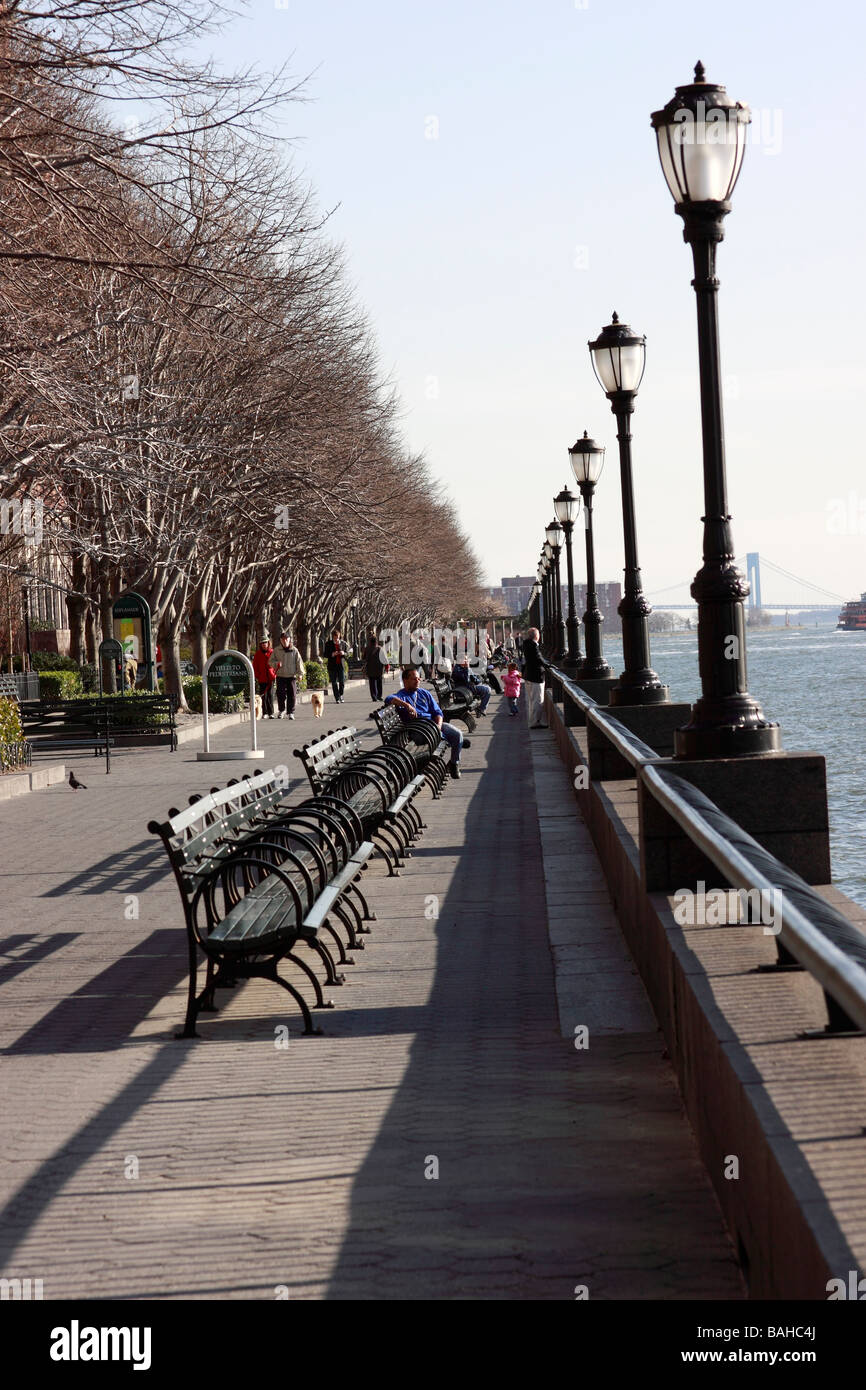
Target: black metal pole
pixel 561 635
pixel 572 625
pixel 639 684
pixel 726 721
pixel 594 666
pixel 25 599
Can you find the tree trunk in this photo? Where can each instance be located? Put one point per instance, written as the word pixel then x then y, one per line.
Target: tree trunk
pixel 197 628
pixel 169 641
pixel 302 636
pixel 77 609
pixel 244 629
pixel 220 631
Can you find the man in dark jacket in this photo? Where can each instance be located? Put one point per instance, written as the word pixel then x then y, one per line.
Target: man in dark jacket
pixel 463 678
pixel 533 676
pixel 335 656
pixel 373 664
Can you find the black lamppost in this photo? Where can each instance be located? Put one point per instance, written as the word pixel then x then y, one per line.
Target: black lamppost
pixel 618 359
pixel 587 461
pixel 539 587
pixel 567 508
pixel 549 597
pixel 553 533
pixel 701 136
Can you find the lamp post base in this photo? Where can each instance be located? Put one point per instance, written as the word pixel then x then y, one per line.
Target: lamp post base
pixel 726 741
pixel 640 694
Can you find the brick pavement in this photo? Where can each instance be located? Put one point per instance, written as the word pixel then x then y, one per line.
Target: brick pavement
pixel 136 1166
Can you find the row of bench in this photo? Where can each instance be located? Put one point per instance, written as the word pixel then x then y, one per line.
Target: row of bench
pixel 259 878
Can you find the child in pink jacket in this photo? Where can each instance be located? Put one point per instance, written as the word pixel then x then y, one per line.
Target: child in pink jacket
pixel 512 681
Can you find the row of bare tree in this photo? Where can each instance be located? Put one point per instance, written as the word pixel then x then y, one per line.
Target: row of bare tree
pixel 186 380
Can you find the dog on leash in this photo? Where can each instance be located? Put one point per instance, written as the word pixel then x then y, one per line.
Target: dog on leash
pixel 317 700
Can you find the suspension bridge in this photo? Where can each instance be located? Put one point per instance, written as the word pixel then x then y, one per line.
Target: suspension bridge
pixel 812 598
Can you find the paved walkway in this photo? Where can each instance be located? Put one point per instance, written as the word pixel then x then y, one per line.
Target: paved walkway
pixel 444 1140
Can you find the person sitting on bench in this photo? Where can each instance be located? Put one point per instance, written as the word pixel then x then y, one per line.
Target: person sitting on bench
pixel 463 677
pixel 414 702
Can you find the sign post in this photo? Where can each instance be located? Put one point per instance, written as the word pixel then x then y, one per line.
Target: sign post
pixel 228 672
pixel 110 651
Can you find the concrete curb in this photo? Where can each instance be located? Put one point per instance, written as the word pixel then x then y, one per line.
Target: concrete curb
pixel 34 780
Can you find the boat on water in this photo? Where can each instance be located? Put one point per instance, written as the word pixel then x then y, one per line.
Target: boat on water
pixel 853 616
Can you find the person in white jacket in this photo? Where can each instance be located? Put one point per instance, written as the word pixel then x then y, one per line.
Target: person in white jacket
pixel 289 666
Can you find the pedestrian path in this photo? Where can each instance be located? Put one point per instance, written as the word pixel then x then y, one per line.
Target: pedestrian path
pixel 446 1139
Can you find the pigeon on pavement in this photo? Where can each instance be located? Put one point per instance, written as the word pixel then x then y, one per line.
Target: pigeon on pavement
pixel 74 782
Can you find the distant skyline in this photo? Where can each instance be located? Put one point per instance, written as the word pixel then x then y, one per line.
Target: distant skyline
pixel 498 193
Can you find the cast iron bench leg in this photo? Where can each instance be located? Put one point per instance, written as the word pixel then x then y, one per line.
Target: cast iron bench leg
pixel 309 1030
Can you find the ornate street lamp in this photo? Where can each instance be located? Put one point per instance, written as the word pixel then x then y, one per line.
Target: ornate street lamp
pixel 587 461
pixel 549 597
pixel 701 136
pixel 618 359
pixel 553 533
pixel 567 509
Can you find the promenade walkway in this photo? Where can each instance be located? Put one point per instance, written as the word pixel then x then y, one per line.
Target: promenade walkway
pixel 446 1139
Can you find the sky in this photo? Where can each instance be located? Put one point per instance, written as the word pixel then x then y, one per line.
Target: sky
pixel 498 193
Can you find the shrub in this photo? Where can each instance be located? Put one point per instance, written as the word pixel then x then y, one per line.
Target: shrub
pixel 12 746
pixel 10 721
pixel 90 678
pixel 60 685
pixel 217 704
pixel 316 676
pixel 53 661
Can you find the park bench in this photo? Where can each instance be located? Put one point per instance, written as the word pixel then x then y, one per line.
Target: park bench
pixel 379 785
pixel 257 878
pixel 101 722
pixel 420 739
pixel 456 702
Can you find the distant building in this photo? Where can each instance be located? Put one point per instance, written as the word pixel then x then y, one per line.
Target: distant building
pixel 515 593
pixel 609 598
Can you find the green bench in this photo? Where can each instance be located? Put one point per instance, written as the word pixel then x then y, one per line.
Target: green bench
pixel 101 723
pixel 257 879
pixel 420 739
pixel 456 702
pixel 379 785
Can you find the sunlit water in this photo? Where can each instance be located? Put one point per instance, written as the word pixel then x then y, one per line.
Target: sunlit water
pixel 813 681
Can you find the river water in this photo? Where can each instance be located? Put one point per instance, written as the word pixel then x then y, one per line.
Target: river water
pixel 813 681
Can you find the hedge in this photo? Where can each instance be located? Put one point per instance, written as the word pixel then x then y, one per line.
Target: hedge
pixel 217 704
pixel 60 685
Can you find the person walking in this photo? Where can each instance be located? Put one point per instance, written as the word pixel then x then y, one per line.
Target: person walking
pixel 265 676
pixel 335 657
pixel 289 667
pixel 533 675
pixel 414 702
pixel 373 664
pixel 512 681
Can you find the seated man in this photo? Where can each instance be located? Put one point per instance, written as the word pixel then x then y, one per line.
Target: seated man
pixel 463 677
pixel 414 702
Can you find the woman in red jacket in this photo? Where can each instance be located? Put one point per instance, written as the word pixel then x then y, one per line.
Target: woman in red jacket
pixel 265 676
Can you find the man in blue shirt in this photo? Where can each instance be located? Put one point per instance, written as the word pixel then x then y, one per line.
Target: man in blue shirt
pixel 414 702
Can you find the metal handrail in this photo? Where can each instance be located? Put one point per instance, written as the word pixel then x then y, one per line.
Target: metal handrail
pixel 732 850
pixel 812 932
pixel 627 744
